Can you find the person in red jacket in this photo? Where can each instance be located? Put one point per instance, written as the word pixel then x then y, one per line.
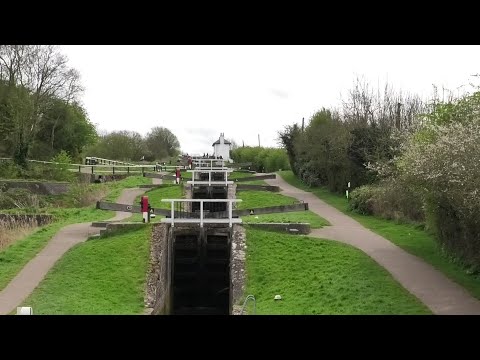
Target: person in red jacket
pixel 177 175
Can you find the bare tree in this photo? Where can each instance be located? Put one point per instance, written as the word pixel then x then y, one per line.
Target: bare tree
pixel 387 109
pixel 37 76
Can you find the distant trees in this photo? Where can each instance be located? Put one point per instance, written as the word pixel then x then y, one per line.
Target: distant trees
pixel 160 143
pixel 38 100
pixel 262 159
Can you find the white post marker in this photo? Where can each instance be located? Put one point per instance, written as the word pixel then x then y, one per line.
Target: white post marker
pixel 346 192
pixel 24 310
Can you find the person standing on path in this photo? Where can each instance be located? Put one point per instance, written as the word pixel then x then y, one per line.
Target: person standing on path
pixel 177 175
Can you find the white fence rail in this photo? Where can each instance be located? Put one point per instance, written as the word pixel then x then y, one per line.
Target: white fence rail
pixel 174 203
pixel 210 182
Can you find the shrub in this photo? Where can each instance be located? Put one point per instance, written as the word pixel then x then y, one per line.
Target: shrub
pixel 22 199
pixel 389 200
pixel 361 199
pixel 81 194
pixel 61 170
pixel 10 231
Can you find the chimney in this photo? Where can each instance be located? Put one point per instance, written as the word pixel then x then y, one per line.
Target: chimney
pixel 221 139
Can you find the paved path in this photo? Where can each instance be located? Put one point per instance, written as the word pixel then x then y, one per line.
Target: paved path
pixel 30 276
pixel 435 290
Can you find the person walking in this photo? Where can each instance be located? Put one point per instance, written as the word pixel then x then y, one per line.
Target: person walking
pixel 177 175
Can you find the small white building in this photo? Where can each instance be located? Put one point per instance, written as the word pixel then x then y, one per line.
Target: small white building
pixel 222 148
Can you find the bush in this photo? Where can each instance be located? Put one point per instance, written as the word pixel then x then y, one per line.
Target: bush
pixel 392 200
pixel 6 202
pixel 262 159
pixel 61 170
pixel 361 199
pixel 446 166
pixel 20 198
pixel 8 170
pixel 81 194
pixel 457 232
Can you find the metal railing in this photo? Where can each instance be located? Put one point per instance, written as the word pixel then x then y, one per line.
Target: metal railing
pixel 249 297
pixel 210 182
pixel 183 211
pixel 93 160
pixel 208 163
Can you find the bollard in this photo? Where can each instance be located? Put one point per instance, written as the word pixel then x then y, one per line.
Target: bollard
pixel 24 310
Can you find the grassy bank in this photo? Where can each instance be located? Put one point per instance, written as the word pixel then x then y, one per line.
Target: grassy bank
pixel 17 255
pixel 320 277
pixel 101 276
pixel 409 237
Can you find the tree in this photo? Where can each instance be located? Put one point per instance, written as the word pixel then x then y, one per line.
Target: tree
pixel 233 143
pixel 65 127
pixel 162 143
pixel 36 76
pixel 287 139
pixel 119 145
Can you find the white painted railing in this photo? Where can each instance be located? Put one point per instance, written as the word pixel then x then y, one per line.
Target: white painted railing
pixel 208 163
pixel 101 161
pixel 201 219
pixel 210 181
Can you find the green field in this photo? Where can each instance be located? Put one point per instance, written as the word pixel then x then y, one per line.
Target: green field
pixel 17 255
pixel 315 276
pixel 101 276
pixel 409 237
pixel 252 199
pixel 310 217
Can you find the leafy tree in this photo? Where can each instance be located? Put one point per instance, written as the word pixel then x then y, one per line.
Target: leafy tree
pixel 162 143
pixel 36 75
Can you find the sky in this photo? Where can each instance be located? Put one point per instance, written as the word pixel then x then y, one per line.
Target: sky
pixel 200 91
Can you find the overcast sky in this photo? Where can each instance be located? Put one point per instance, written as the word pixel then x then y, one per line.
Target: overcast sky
pixel 243 91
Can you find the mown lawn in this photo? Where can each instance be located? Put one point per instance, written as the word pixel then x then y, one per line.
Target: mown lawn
pixel 16 256
pixel 252 198
pixel 310 217
pixel 101 276
pixel 315 276
pixel 409 237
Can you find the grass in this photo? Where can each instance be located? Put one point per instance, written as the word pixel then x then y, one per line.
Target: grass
pixel 17 255
pixel 116 187
pixel 320 277
pixel 254 182
pixel 409 237
pixel 315 221
pixel 10 232
pixel 253 198
pixel 101 276
pixel 14 257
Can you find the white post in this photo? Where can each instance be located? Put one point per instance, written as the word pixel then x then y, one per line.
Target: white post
pixel 209 177
pixel 230 213
pixel 201 213
pixel 24 310
pixel 172 213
